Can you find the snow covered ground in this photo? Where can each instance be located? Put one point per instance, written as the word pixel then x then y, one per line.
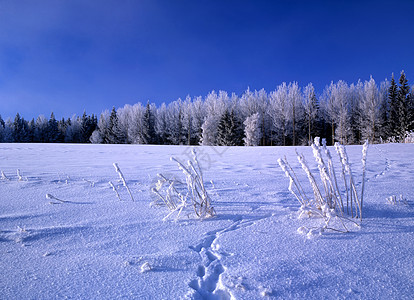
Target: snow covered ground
pixel 94 246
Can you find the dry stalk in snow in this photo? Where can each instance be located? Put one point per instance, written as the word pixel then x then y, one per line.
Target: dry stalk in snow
pixel 122 178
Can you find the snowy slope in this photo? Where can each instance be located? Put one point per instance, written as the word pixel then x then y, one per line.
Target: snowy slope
pixel 94 246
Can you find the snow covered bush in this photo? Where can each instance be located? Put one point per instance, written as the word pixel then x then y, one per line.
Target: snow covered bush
pixel 327 201
pixel 177 196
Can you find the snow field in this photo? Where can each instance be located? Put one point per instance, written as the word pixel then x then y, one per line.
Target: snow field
pixel 94 246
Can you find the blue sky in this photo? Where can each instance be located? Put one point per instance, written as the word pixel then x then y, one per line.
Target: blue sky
pixel 68 56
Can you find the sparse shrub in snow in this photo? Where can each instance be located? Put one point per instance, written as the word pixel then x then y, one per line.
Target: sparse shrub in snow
pixel 122 178
pixel 327 201
pixel 394 200
pixel 177 196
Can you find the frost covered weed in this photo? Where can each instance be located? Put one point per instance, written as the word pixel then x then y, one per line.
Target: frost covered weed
pixel 115 190
pixel 177 196
pixel 327 201
pixel 51 197
pixel 394 200
pixel 20 177
pixel 122 179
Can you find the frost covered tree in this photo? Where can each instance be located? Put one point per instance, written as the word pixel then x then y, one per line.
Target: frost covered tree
pixel 198 116
pixel 337 106
pixel 294 100
pixel 215 106
pixel 189 131
pixel 176 134
pixel 252 130
pixel 161 125
pixel 73 130
pixel 8 131
pixel 135 118
pixel 310 109
pixel 279 111
pixel 371 115
pixel 256 102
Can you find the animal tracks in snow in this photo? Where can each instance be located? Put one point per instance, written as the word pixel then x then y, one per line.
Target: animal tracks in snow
pixel 209 284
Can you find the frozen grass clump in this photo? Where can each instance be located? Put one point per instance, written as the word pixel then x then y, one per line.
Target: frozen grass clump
pixel 394 200
pixel 178 196
pixel 332 202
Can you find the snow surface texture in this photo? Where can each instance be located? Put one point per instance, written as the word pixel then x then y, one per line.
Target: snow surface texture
pixel 65 234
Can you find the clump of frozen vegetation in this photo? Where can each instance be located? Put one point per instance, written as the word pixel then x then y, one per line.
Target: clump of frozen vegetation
pixel 177 196
pixel 394 200
pixel 122 179
pixel 3 176
pixel 327 201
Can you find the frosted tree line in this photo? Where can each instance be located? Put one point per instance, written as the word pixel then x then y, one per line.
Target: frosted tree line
pixel 289 115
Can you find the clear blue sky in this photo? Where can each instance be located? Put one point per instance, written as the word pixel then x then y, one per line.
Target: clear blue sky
pixel 68 56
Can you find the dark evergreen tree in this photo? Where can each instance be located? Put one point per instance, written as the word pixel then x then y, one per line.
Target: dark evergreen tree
pixel 411 111
pixel 403 99
pixel 62 125
pixel 88 125
pixel 2 123
pixel 52 129
pixel 148 128
pixel 115 135
pixel 20 131
pixel 31 130
pixel 393 120
pixel 229 130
